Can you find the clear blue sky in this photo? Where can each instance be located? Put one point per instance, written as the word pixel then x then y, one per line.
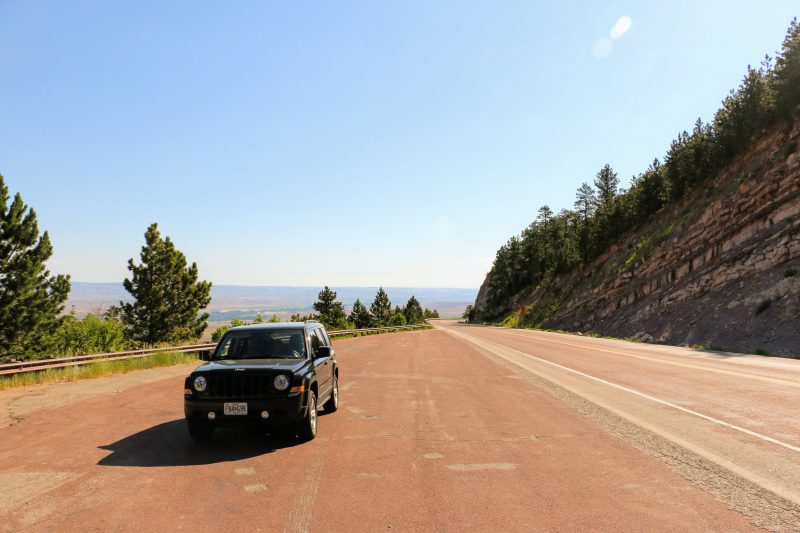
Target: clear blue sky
pixel 344 143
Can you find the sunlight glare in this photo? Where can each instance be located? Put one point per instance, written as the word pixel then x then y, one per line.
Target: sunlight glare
pixel 622 25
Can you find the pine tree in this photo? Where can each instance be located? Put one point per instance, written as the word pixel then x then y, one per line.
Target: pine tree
pixel 786 75
pixel 167 294
pixel 584 201
pixel 331 311
pixel 30 298
pixel 413 311
pixel 381 308
pixel 545 214
pixel 430 314
pixel 607 184
pixel 360 315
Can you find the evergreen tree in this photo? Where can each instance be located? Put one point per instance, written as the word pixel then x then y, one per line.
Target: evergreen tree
pixel 274 318
pixel 167 294
pixel 785 80
pixel 259 318
pixel 430 314
pixel 545 214
pixel 413 311
pixel 30 298
pixel 585 201
pixel 381 308
pixel 607 184
pixel 360 315
pixel 331 311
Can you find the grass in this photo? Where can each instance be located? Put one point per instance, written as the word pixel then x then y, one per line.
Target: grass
pixel 362 333
pixel 96 369
pixel 119 366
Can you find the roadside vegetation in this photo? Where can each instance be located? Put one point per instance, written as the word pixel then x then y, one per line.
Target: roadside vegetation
pixel 560 242
pixel 167 296
pixel 331 312
pixel 96 369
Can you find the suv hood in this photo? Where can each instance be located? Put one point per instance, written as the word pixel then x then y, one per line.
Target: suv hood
pixel 287 365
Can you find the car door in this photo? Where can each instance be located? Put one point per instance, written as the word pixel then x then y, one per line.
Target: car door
pixel 326 341
pixel 321 364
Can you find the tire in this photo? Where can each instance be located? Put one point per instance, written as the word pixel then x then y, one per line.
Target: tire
pixel 333 402
pixel 200 431
pixel 308 427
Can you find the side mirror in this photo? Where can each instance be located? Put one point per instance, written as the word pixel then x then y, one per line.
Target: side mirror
pixel 205 355
pixel 323 351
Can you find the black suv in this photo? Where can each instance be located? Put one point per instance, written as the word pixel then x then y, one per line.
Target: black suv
pixel 264 375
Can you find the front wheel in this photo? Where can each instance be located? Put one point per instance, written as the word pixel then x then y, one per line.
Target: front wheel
pixel 200 430
pixel 308 427
pixel 333 402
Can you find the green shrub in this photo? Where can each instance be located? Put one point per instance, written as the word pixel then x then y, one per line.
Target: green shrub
pixel 790 272
pixel 398 319
pixel 218 333
pixel 92 334
pixel 763 306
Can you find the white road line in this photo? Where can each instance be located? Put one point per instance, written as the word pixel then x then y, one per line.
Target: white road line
pixel 660 360
pixel 643 395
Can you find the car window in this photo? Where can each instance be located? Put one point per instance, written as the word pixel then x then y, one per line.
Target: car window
pixel 264 344
pixel 326 341
pixel 316 341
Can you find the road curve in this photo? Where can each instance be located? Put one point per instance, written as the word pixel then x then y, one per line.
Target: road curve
pixel 724 421
pixel 437 430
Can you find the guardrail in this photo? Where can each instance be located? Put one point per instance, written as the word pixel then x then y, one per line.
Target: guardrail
pixel 61 362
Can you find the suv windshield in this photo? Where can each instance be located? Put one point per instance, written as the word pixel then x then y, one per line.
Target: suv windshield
pixel 265 344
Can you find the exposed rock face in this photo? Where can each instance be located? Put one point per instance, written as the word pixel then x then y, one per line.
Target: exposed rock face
pixel 723 274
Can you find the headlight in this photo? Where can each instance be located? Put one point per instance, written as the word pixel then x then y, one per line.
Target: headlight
pixel 281 382
pixel 200 383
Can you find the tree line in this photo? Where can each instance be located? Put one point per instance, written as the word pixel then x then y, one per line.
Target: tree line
pixel 332 314
pixel 167 304
pixel 603 212
pixel 168 295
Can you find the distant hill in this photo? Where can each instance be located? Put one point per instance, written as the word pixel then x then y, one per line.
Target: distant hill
pixel 245 302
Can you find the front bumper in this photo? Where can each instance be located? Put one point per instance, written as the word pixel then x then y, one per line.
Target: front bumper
pixel 281 411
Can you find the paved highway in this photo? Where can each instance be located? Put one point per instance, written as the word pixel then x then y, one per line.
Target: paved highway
pixel 459 428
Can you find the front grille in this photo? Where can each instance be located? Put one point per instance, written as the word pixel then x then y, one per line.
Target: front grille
pixel 239 386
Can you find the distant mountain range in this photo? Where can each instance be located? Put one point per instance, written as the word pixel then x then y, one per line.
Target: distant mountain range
pixel 245 302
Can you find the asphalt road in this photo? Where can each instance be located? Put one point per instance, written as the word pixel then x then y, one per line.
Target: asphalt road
pixel 456 429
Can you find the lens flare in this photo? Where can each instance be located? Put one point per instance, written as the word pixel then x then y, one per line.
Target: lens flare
pixel 622 25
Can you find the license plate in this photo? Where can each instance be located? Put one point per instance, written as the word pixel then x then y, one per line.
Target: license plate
pixel 237 408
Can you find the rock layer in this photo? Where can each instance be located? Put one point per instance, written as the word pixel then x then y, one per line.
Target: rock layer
pixel 721 268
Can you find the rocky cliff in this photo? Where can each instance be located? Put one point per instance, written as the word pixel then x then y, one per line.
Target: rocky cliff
pixel 720 269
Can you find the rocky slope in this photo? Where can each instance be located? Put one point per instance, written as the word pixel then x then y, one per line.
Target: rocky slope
pixel 720 269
